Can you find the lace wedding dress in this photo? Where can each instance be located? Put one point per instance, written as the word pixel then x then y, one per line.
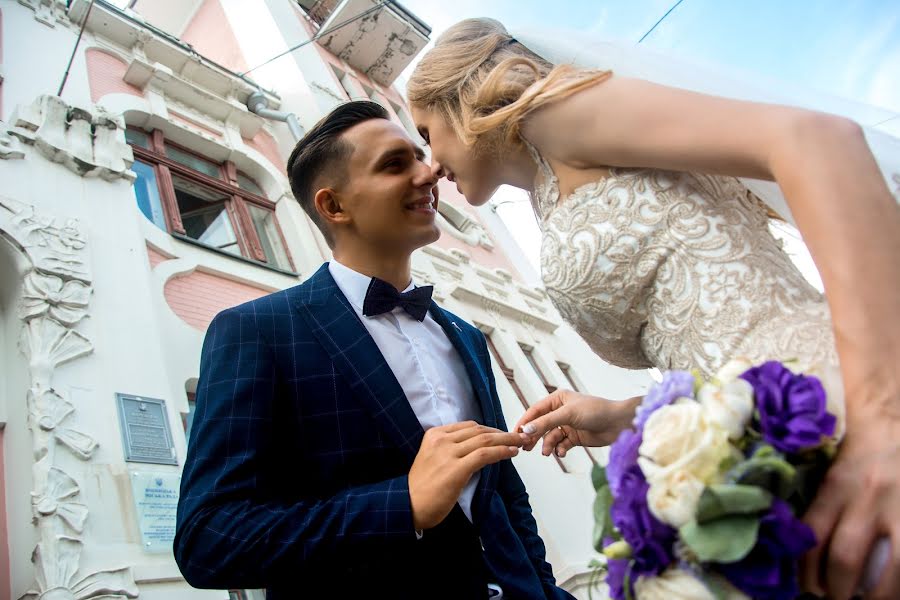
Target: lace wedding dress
pixel 676 271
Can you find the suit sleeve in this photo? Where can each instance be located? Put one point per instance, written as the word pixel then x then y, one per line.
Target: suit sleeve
pixel 515 498
pixel 227 534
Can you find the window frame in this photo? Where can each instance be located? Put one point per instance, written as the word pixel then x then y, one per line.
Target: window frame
pixel 511 378
pixel 227 184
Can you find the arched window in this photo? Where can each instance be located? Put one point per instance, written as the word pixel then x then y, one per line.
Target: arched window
pixel 204 202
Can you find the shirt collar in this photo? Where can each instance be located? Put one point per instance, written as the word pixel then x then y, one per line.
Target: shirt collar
pixel 353 284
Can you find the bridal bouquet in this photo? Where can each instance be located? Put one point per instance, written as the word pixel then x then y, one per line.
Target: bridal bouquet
pixel 702 498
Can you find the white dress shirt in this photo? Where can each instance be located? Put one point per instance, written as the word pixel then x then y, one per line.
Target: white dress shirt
pixel 424 361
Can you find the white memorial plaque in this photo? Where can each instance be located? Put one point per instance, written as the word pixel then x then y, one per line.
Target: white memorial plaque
pixel 155 502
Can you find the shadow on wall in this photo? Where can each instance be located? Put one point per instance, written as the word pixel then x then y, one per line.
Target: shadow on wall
pixel 11 272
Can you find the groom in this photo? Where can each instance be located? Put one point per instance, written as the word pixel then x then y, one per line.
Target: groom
pixel 348 440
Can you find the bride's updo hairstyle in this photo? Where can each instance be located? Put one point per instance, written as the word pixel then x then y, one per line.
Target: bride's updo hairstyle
pixel 484 83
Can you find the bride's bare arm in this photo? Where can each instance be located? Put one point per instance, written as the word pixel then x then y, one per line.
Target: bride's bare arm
pixel 851 224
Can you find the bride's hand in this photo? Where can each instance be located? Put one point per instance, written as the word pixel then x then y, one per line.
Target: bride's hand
pixel 859 503
pixel 566 419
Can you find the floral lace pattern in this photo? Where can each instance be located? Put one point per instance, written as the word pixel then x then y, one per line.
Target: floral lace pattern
pixel 676 271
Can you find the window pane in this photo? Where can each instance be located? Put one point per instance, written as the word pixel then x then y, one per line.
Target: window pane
pixel 245 183
pixel 137 137
pixel 194 162
pixel 204 215
pixel 189 418
pixel 146 191
pixel 264 223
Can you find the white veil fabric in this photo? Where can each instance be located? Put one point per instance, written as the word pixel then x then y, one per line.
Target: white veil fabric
pixel 630 60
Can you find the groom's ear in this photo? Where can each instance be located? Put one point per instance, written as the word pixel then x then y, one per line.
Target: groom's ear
pixel 328 205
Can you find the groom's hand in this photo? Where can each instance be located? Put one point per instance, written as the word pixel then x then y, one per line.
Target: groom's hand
pixel 448 457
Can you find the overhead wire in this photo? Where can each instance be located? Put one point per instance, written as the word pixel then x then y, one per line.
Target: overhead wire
pixel 321 34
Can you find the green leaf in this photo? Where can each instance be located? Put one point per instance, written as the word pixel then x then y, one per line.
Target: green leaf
pixel 603 526
pixel 726 540
pixel 627 582
pixel 598 477
pixel 730 499
pixel 767 469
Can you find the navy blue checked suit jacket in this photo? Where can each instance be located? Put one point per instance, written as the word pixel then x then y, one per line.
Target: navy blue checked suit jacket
pixel 296 472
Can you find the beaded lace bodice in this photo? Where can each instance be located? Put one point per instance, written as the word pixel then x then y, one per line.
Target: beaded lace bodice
pixel 676 271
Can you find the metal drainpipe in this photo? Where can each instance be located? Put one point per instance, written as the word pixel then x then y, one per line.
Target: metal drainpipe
pixel 258 104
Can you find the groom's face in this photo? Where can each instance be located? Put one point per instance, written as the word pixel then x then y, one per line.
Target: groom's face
pixel 389 198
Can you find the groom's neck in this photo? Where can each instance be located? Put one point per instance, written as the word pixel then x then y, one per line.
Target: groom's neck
pixel 392 268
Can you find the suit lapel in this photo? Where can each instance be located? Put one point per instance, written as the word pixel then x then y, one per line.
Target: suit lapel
pixel 468 355
pixel 487 483
pixel 353 351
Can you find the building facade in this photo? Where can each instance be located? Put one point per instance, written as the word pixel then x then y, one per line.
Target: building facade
pixel 148 195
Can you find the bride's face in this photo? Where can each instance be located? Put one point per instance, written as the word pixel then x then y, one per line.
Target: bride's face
pixel 476 178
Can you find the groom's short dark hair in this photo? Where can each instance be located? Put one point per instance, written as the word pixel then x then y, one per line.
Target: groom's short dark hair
pixel 322 152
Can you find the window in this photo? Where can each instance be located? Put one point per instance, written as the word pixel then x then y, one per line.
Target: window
pixel 237 595
pixel 567 371
pixel 511 378
pixel 529 354
pixel 187 420
pixel 205 202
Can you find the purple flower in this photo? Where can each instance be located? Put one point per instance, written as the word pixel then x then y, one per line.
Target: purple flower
pixel 623 454
pixel 769 572
pixel 675 384
pixel 616 570
pixel 791 407
pixel 650 540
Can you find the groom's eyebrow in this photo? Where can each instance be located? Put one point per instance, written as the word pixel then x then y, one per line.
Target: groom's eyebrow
pixel 400 151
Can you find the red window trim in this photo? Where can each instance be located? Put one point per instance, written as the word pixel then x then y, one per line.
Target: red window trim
pixel 511 378
pixel 165 167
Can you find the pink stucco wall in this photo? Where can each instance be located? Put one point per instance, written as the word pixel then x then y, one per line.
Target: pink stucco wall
pixel 198 297
pixel 106 75
pixel 266 145
pixel 211 34
pixel 155 257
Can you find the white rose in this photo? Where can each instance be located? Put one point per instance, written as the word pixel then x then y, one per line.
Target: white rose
pixel 673 497
pixel 729 405
pixel 679 436
pixel 677 584
pixel 680 453
pixel 733 369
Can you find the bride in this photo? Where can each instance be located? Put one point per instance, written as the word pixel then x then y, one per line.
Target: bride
pixel 659 256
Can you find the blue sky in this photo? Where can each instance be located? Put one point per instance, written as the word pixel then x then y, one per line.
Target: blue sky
pixel 848 48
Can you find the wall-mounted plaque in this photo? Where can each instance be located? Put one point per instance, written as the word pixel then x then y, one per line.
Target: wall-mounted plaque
pixel 155 502
pixel 145 430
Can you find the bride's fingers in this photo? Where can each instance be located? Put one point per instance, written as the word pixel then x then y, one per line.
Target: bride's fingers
pixel 531 422
pixel 552 440
pixel 564 446
pixel 822 517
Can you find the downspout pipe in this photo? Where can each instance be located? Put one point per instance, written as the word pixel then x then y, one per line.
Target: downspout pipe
pixel 259 105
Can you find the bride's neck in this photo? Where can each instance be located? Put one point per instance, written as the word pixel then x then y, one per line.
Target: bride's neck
pixel 518 169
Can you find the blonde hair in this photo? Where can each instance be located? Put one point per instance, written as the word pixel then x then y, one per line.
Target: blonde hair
pixel 484 82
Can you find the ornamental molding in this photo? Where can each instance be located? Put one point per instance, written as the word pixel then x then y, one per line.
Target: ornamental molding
pixel 48 12
pixel 88 143
pixel 55 300
pixel 500 307
pixel 462 226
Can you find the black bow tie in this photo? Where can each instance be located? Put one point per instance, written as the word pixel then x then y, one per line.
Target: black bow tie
pixel 382 297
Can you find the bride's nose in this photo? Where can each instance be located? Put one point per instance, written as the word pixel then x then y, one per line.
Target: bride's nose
pixel 437 170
